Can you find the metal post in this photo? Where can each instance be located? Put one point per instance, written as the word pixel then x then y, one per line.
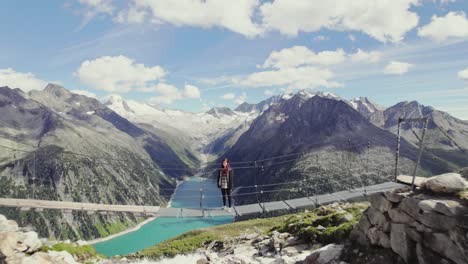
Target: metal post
pixel 368 150
pixel 397 152
pixel 420 152
pixel 34 174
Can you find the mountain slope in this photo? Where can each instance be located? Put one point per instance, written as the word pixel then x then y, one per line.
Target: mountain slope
pixel 76 150
pixel 333 140
pixel 455 128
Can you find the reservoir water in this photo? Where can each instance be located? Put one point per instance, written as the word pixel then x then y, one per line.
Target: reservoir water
pixel 154 232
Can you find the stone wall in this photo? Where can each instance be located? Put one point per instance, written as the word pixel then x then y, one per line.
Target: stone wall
pixel 429 225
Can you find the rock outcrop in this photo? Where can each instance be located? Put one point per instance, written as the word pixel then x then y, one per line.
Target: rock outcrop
pixel 425 226
pixel 17 246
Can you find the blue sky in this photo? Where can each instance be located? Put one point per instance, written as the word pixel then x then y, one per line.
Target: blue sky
pixel 193 55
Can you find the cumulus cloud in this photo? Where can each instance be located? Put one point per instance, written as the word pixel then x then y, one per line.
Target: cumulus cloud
pixel 295 78
pixel 396 67
pixel 85 93
pixel 376 20
pixel 452 25
pixel 168 93
pixel 191 91
pixel 24 81
pixel 365 57
pixel 119 74
pixel 232 15
pixel 238 99
pixel 463 74
pixel 228 96
pixel 300 55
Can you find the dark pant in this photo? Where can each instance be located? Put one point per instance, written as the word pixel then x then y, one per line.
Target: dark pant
pixel 226 193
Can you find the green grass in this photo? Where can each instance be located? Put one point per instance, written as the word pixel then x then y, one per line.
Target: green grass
pixel 112 228
pixel 80 253
pixel 303 225
pixel 335 229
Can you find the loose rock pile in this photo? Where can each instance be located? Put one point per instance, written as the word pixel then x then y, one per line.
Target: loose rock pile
pixel 427 226
pixel 17 246
pixel 277 248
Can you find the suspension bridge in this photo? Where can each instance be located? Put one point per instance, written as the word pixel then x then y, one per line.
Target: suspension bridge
pixel 242 210
pixel 309 200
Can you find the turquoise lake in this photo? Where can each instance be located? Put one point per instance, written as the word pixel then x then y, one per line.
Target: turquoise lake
pixel 154 232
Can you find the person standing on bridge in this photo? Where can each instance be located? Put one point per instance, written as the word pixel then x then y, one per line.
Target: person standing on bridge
pixel 225 179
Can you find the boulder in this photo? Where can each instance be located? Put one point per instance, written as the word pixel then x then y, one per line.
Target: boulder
pixel 378 237
pixel 377 218
pixel 364 223
pixel 8 243
pixel 379 202
pixel 394 197
pixel 460 238
pixel 413 234
pixel 400 217
pixel 411 207
pixel 8 225
pixel 30 241
pixel 426 256
pixel 61 257
pixel 446 183
pixel 443 206
pixel 437 221
pixel 325 255
pixel 402 244
pixel 443 245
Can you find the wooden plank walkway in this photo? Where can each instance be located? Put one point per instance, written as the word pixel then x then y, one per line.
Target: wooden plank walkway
pixel 242 210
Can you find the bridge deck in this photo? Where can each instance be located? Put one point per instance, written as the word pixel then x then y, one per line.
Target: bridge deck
pixel 241 210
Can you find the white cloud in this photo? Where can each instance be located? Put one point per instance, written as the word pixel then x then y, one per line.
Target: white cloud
pixel 24 81
pixel 119 74
pixel 228 96
pixel 168 93
pixel 85 93
pixel 365 57
pixel 454 24
pixel 269 92
pixel 99 6
pixel 377 18
pixel 241 98
pixel 352 37
pixel 300 55
pixel 191 91
pixel 232 15
pixel 294 78
pixel 463 74
pixel 238 99
pixel 396 67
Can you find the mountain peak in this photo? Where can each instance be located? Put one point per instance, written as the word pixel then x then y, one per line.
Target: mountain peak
pixel 56 89
pixel 365 106
pixel 217 111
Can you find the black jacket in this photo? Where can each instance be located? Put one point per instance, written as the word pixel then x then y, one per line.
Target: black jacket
pixel 230 178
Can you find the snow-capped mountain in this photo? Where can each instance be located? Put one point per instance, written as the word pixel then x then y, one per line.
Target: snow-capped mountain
pixel 199 129
pixel 372 111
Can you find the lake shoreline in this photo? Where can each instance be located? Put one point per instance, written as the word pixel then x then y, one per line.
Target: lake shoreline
pixel 126 231
pixel 135 228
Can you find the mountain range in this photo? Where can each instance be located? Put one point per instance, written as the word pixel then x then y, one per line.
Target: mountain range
pixel 61 145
